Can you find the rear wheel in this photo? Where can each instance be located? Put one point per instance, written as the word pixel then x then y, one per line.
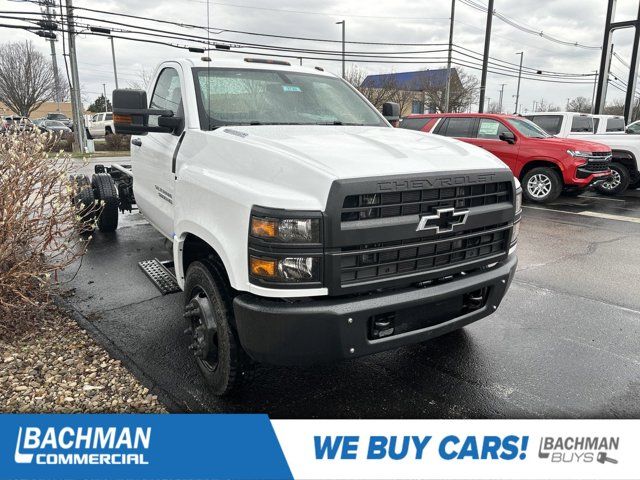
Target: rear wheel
pixel 107 195
pixel 209 311
pixel 84 200
pixel 541 184
pixel 619 180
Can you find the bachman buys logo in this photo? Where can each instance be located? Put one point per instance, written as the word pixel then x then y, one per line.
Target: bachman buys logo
pixel 83 445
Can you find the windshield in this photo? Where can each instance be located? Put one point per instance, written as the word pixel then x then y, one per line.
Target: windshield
pixel 269 97
pixel 527 128
pixel 57 116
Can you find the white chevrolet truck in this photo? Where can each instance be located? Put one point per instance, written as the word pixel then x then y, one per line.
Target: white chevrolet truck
pixel 304 228
pixel 605 129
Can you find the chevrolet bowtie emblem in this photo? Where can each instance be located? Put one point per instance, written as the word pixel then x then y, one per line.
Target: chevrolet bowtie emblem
pixel 443 220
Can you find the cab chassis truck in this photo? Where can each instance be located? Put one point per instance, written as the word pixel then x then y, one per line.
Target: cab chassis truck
pixel 303 227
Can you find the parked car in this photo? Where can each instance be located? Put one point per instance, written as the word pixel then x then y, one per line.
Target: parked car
pixel 53 126
pixel 16 123
pixel 310 230
pixel 625 148
pixel 101 125
pixel 544 164
pixel 60 117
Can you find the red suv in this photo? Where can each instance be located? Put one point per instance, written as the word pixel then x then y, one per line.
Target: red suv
pixel 545 165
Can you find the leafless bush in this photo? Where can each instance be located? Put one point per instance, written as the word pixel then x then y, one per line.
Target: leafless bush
pixel 116 142
pixel 39 225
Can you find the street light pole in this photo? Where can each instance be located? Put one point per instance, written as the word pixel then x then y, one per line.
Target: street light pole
pixel 519 78
pixel 113 56
pixel 501 94
pixel 593 95
pixel 104 90
pixel 448 90
pixel 488 103
pixel 343 44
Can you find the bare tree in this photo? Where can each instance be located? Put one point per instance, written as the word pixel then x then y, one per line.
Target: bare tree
pixel 616 107
pixel 144 79
pixel 493 107
pixel 463 92
pixel 26 77
pixel 377 94
pixel 544 106
pixel 579 104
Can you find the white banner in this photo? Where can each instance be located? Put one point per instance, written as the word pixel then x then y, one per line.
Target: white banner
pixel 461 449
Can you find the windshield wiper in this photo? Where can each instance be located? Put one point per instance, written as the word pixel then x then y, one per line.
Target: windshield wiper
pixel 338 122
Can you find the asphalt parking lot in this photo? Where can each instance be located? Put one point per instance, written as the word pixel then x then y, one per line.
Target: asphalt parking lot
pixel 565 342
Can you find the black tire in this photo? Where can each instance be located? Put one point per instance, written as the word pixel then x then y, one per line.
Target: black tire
pixel 541 185
pixel 89 136
pixel 209 310
pixel 106 193
pixel 620 182
pixel 107 131
pixel 84 199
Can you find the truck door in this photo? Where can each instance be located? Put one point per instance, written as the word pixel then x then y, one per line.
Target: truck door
pixel 152 154
pixel 488 137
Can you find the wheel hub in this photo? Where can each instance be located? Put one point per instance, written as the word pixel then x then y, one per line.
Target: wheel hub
pixel 203 330
pixel 539 186
pixel 614 182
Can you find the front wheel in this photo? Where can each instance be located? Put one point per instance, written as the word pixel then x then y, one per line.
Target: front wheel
pixel 541 185
pixel 619 182
pixel 209 311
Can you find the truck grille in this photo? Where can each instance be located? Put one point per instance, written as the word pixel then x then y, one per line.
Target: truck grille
pixel 389 259
pixel 597 166
pixel 414 202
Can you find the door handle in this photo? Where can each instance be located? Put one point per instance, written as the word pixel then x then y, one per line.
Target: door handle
pixel 137 142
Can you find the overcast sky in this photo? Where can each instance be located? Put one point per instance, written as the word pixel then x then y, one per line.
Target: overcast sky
pixel 414 21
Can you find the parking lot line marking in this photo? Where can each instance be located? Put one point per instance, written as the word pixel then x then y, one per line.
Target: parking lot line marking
pixel 602 198
pixel 587 213
pixel 609 216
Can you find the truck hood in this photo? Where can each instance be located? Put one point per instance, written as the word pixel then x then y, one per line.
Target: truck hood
pixel 577 144
pixel 616 142
pixel 355 152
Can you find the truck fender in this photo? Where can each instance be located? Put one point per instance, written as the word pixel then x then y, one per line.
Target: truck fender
pixel 179 238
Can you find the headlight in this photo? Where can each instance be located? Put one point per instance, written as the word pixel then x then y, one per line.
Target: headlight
pixel 578 153
pixel 518 196
pixel 287 269
pixel 286 230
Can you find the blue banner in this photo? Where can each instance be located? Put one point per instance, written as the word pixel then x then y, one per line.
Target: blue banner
pixel 140 446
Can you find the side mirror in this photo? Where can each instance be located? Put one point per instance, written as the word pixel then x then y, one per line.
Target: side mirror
pixel 131 115
pixel 508 137
pixel 391 111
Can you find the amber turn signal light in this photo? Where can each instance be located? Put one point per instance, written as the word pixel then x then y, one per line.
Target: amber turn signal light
pixel 263 227
pixel 262 267
pixel 125 119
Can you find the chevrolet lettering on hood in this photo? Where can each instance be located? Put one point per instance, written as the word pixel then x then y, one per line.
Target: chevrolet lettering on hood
pixel 437 182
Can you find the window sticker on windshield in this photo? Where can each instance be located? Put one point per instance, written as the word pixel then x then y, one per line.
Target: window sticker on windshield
pixel 488 128
pixel 291 88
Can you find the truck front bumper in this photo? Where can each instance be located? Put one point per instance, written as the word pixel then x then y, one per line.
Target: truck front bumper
pixel 311 331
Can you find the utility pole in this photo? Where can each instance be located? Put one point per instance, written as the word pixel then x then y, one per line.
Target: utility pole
pixel 593 95
pixel 488 103
pixel 501 94
pixel 104 90
pixel 76 102
pixel 519 77
pixel 343 42
pixel 448 90
pixel 485 58
pixel 113 56
pixel 54 60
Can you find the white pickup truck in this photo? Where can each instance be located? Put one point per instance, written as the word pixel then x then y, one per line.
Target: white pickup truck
pixel 304 227
pixel 625 148
pixel 101 125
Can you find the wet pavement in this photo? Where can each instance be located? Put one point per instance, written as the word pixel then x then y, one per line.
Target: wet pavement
pixel 564 343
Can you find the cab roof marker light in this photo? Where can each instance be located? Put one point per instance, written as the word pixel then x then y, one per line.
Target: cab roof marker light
pixel 267 61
